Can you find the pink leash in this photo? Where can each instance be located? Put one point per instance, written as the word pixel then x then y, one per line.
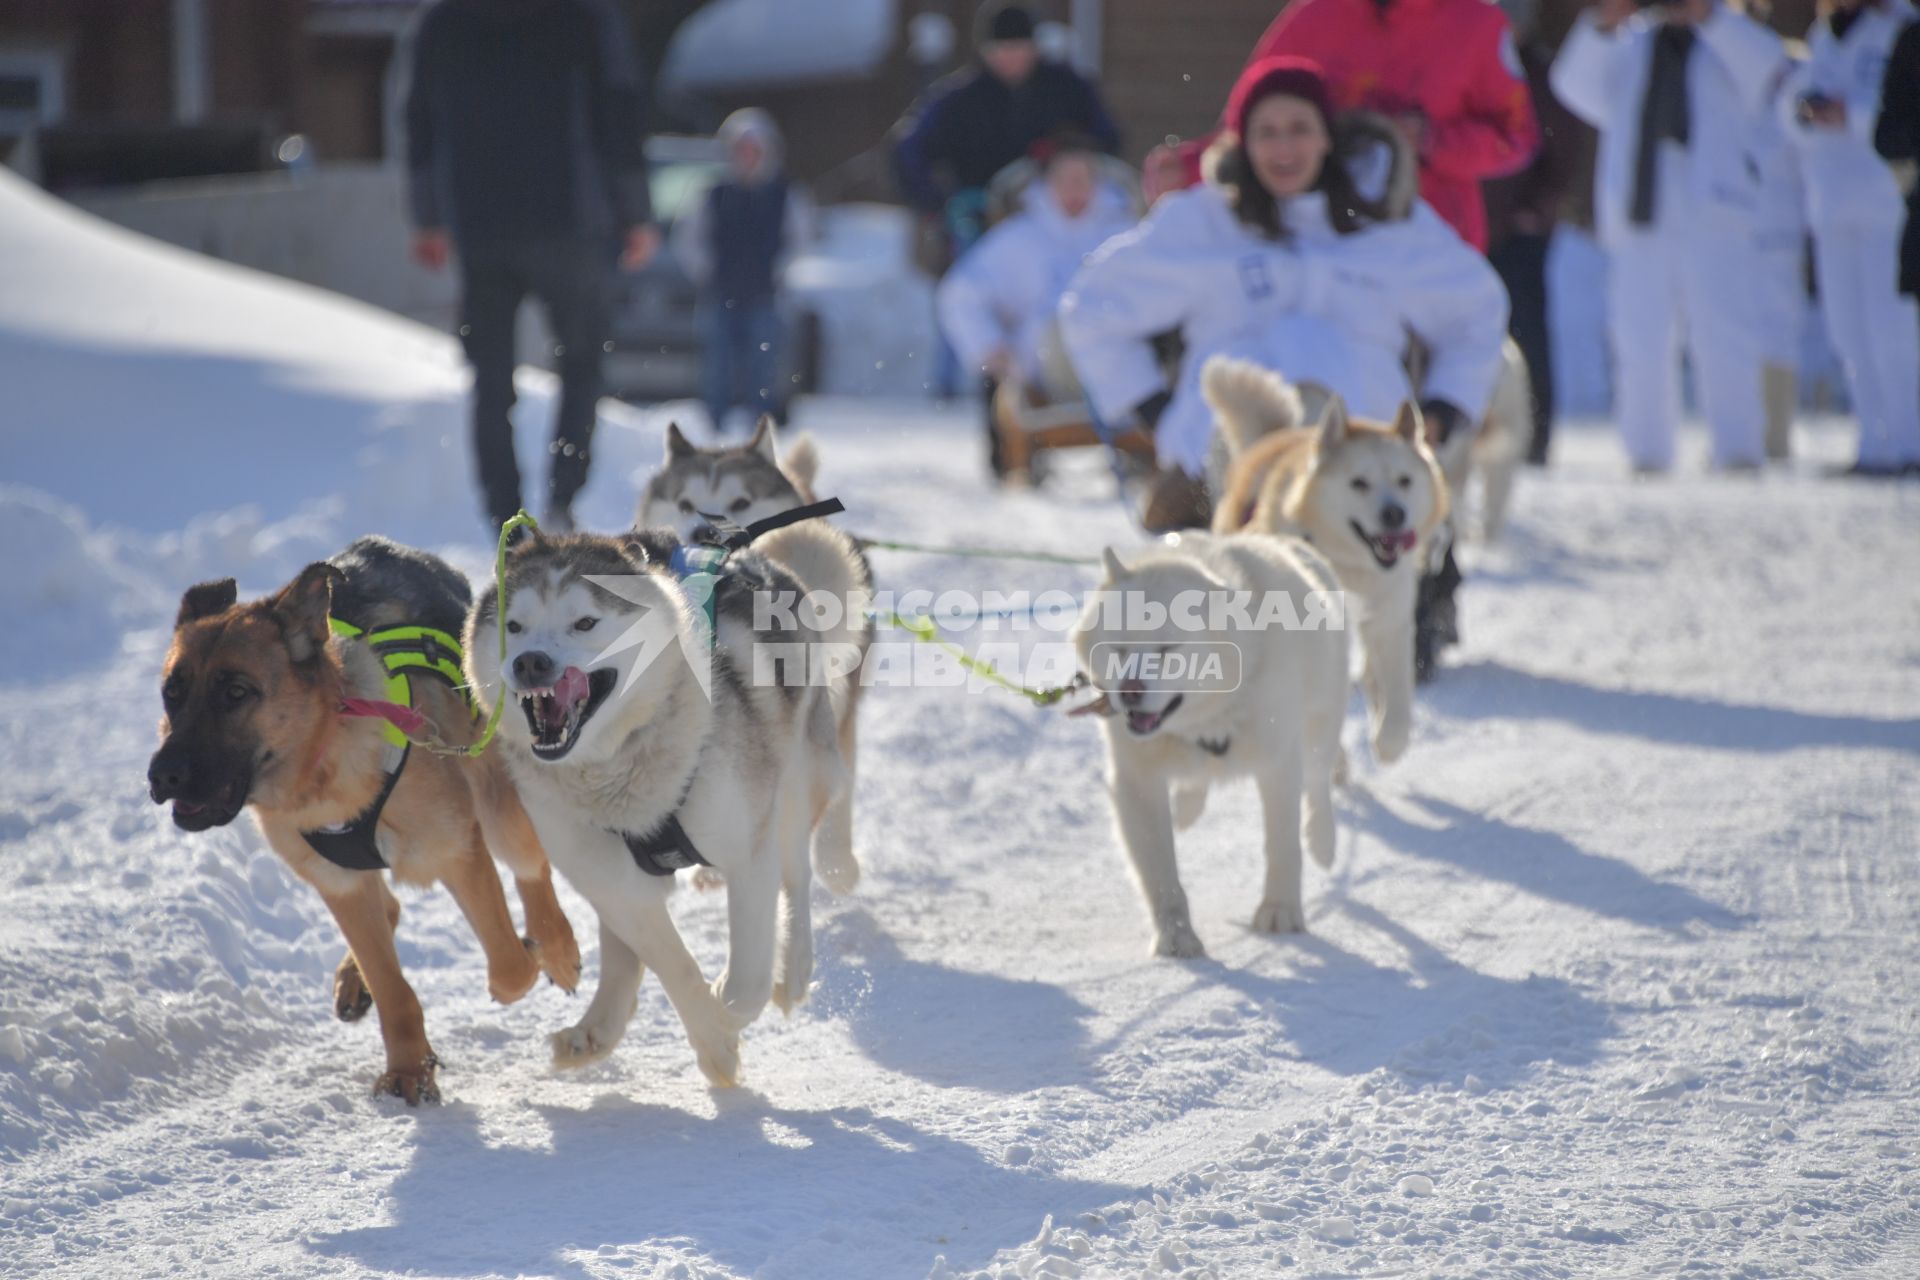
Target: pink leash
pixel 405 719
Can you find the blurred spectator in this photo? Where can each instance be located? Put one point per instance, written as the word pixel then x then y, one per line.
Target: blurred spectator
pixel 998 304
pixel 1522 210
pixel 525 158
pixel 1447 71
pixel 1675 93
pixel 981 119
pixel 735 242
pixel 1779 260
pixel 1829 111
pixel 1897 138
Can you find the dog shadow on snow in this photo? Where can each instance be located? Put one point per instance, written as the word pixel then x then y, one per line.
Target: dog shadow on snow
pixel 1474 690
pixel 1543 863
pixel 1428 1017
pixel 759 1189
pixel 946 1026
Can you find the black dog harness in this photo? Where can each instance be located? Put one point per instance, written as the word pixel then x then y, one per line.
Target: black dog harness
pixel 668 848
pixel 404 652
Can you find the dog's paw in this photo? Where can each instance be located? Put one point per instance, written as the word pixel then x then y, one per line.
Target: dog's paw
pixel 786 1002
pixel 579 1045
pixel 351 999
pixel 560 962
pixel 840 872
pixel 1179 941
pixel 1189 803
pixel 507 982
pixel 707 879
pixel 719 1059
pixel 1280 917
pixel 1342 771
pixel 412 1085
pixel 1390 738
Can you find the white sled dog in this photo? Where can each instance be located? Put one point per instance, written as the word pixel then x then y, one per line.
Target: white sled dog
pixel 1369 497
pixel 742 483
pixel 1174 726
pixel 1495 451
pixel 643 748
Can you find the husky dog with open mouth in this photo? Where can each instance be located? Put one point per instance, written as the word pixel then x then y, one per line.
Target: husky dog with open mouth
pixel 287 706
pixel 671 708
pixel 1196 692
pixel 741 483
pixel 1368 496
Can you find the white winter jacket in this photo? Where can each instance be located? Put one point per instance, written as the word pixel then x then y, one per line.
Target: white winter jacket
pixel 1602 78
pixel 1006 289
pixel 1324 307
pixel 1848 184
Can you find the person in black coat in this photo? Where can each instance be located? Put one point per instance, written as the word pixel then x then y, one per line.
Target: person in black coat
pixel 1896 136
pixel 525 160
pixel 982 118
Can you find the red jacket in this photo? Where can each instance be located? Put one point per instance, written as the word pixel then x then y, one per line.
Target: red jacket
pixel 1453 61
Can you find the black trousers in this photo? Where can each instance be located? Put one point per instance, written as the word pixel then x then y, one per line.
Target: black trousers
pixel 573 280
pixel 1521 261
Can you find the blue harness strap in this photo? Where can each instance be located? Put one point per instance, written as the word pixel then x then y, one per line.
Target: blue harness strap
pixel 700 565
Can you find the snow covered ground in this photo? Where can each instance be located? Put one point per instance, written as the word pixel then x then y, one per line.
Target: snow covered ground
pixel 1615 973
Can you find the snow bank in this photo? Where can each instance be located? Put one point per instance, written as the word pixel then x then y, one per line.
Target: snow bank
pixel 63 590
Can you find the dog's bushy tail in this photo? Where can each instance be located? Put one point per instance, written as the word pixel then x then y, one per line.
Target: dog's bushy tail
pixel 1248 401
pixel 802 464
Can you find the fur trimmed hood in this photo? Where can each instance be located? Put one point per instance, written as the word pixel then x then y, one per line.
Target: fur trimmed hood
pixel 1381 161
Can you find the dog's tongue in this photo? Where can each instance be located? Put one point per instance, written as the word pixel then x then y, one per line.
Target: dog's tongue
pixel 1402 540
pixel 571 687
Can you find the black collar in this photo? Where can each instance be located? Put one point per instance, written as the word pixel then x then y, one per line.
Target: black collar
pixel 352 845
pixel 664 850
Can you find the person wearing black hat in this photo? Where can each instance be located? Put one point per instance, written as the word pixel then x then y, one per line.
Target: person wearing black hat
pixel 982 118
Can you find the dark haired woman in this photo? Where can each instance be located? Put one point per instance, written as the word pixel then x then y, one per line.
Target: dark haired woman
pixel 1287 255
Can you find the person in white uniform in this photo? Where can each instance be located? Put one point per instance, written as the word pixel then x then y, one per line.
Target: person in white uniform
pixel 998 303
pixel 1779 260
pixel 1676 91
pixel 1829 111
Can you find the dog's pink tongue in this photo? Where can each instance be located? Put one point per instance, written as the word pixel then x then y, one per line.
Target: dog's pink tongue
pixel 1404 539
pixel 571 687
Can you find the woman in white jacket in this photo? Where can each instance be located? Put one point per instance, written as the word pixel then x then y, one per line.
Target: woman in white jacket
pixel 1828 111
pixel 1279 258
pixel 999 302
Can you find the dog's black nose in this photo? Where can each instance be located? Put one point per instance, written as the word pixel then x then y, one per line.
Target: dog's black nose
pixel 534 670
pixel 1131 691
pixel 1393 515
pixel 167 775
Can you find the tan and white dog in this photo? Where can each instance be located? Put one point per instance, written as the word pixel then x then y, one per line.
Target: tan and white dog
pixel 1368 496
pixel 1197 693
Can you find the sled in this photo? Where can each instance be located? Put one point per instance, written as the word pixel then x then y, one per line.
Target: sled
pixel 1026 428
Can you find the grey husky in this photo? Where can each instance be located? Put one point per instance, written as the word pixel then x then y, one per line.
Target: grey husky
pixel 664 719
pixel 743 482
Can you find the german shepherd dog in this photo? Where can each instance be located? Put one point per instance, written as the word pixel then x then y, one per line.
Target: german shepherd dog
pixel 255 696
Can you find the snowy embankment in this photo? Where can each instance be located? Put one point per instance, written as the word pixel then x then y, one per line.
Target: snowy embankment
pixel 1614 974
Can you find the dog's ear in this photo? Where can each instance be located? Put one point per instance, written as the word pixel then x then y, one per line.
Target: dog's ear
pixel 762 441
pixel 1333 422
pixel 206 599
pixel 634 543
pixel 678 446
pixel 300 610
pixel 1408 424
pixel 1110 560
